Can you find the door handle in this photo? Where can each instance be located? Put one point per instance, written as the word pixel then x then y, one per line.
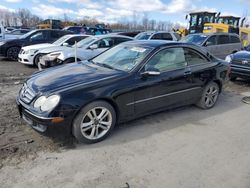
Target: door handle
pixel 187 73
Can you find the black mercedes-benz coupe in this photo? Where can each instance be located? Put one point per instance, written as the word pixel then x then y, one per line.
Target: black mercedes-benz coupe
pixel 128 81
pixel 240 64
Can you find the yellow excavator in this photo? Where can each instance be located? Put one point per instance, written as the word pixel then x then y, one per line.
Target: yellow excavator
pixel 229 24
pixel 196 22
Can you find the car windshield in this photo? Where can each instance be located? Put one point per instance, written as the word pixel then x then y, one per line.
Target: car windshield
pixel 27 34
pixel 122 57
pixel 196 39
pixel 60 40
pixel 85 42
pixel 142 36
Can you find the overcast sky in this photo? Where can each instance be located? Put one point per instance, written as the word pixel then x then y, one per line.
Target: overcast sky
pixel 113 10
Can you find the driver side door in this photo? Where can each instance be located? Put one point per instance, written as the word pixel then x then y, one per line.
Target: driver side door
pixel 171 88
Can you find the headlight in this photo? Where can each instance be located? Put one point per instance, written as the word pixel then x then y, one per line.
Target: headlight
pixel 47 104
pixel 51 57
pixel 2 43
pixel 31 52
pixel 228 59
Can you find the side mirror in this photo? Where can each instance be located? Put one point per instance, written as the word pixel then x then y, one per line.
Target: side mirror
pixel 150 73
pixel 93 46
pixel 65 44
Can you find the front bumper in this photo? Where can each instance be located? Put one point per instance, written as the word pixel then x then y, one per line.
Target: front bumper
pixel 43 123
pixel 46 64
pixel 240 71
pixel 25 59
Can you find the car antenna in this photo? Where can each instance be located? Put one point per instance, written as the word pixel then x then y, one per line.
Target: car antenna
pixel 75 52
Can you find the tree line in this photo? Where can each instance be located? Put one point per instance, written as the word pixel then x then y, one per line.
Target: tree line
pixel 24 18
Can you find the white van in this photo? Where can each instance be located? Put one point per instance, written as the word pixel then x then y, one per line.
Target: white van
pixel 1 32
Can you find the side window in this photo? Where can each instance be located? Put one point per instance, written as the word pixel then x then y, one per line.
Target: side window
pixel 235 39
pixel 105 43
pixel 55 34
pixel 72 40
pixel 211 41
pixel 166 60
pixel 223 39
pixel 38 36
pixel 156 36
pixel 193 58
pixel 120 40
pixel 167 36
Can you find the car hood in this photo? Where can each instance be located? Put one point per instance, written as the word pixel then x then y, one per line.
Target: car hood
pixel 54 49
pixel 38 46
pixel 70 75
pixel 242 55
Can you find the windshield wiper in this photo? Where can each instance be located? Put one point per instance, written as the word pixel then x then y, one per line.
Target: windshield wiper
pixel 103 65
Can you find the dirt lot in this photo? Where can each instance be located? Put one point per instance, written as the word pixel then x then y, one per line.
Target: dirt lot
pixel 185 147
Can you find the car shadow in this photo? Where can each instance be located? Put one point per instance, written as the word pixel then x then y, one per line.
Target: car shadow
pixel 167 120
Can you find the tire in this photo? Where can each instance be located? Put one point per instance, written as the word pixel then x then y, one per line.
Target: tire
pixel 36 59
pixel 70 60
pixel 94 122
pixel 209 96
pixel 12 53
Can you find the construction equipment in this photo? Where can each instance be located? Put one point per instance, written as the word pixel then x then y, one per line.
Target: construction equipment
pixel 229 24
pixel 199 19
pixel 225 24
pixel 50 24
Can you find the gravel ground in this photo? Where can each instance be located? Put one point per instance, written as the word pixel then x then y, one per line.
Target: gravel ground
pixel 186 147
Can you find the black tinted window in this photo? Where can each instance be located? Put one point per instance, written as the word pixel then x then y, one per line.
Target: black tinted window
pixel 40 35
pixel 193 58
pixel 166 60
pixel 223 39
pixel 157 36
pixel 73 40
pixel 167 36
pixel 235 39
pixel 56 34
pixel 120 40
pixel 105 43
pixel 211 41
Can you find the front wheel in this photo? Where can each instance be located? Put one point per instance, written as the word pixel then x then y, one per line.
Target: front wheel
pixel 94 122
pixel 12 53
pixel 209 96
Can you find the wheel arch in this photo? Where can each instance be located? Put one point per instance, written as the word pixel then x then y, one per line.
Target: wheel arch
pixel 107 100
pixel 219 84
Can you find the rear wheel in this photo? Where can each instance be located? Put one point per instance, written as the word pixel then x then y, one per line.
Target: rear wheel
pixel 12 53
pixel 210 96
pixel 94 122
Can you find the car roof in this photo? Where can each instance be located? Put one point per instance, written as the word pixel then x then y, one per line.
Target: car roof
pixel 111 35
pixel 210 34
pixel 157 43
pixel 77 35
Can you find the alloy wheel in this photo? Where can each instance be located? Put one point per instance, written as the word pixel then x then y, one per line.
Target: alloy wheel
pixel 96 123
pixel 211 96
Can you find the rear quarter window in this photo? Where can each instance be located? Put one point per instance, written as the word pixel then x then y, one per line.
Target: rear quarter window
pixel 235 39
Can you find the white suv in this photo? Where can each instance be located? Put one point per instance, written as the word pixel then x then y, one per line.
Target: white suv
pixel 158 35
pixel 29 55
pixel 84 50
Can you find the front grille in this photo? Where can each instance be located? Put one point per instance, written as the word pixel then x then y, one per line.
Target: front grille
pixel 241 62
pixel 26 94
